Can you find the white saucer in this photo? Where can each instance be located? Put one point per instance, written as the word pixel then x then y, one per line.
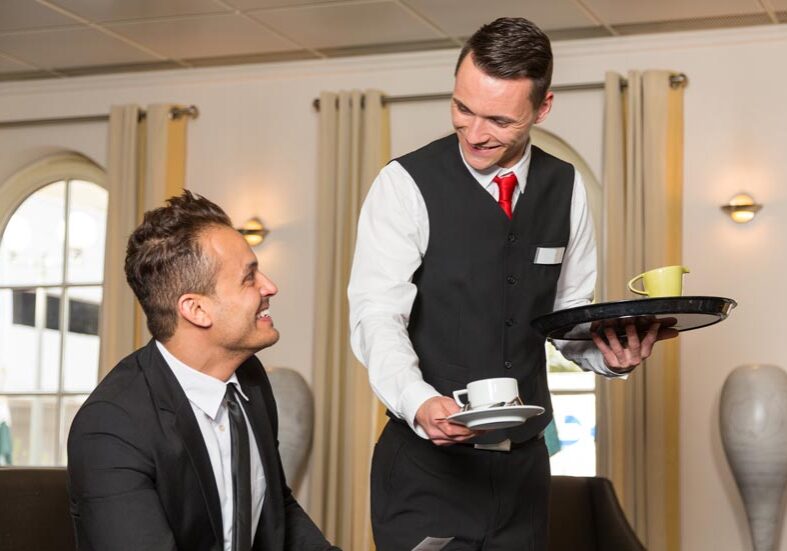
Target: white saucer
pixel 502 417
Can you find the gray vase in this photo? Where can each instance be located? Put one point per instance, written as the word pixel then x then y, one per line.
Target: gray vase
pixel 753 422
pixel 295 407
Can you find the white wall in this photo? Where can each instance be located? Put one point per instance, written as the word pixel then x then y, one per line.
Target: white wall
pixel 253 150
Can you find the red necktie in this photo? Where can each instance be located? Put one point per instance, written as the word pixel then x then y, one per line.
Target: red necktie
pixel 507 184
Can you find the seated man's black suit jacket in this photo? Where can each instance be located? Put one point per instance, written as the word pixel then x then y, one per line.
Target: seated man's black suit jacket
pixel 140 478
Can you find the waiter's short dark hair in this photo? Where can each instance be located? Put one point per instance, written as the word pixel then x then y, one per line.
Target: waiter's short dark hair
pixel 164 259
pixel 512 48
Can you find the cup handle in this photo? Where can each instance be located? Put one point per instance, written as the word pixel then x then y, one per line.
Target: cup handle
pixel 457 394
pixel 631 285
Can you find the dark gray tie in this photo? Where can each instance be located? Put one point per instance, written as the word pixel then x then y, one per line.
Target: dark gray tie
pixel 241 473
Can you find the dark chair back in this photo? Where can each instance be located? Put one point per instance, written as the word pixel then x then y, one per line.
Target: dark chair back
pixel 585 515
pixel 34 512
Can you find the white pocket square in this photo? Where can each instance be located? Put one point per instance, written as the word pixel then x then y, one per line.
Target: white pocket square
pixel 549 255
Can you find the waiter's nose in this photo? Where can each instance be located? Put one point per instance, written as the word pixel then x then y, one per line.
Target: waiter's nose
pixel 476 131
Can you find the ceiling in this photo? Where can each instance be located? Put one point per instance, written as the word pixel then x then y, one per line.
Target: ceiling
pixel 63 38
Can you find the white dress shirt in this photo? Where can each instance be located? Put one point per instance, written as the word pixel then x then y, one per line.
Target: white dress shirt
pixel 393 234
pixel 206 395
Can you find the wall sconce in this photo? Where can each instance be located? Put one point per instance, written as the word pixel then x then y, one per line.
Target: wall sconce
pixel 253 231
pixel 741 208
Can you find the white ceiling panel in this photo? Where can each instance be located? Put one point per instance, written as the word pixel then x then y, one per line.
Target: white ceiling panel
pixel 70 48
pixel 463 17
pixel 639 11
pixel 343 25
pixel 210 36
pixel 118 10
pixel 26 14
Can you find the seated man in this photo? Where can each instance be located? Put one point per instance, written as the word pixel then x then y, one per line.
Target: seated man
pixel 176 449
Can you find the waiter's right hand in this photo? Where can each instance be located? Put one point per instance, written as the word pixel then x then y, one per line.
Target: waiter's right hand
pixel 431 417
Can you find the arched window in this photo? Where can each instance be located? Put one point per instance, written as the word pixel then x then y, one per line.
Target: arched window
pixel 52 232
pixel 573 390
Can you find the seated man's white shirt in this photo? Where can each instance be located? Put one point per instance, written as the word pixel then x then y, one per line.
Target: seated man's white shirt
pixel 206 396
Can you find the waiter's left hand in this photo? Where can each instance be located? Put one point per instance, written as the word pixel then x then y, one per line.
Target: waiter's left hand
pixel 622 359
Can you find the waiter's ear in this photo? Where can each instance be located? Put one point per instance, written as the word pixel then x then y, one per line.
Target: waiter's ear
pixel 192 308
pixel 545 107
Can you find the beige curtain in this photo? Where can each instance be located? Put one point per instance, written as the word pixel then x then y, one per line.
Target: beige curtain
pixel 354 145
pixel 643 179
pixel 147 164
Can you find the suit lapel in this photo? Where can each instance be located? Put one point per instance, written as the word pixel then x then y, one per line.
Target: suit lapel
pixel 169 397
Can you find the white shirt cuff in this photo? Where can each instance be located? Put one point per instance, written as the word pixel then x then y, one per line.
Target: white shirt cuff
pixel 412 398
pixel 587 357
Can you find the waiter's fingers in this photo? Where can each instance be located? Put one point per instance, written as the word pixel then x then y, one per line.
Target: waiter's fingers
pixel 617 348
pixel 456 437
pixel 650 338
pixel 609 356
pixel 633 346
pixel 453 431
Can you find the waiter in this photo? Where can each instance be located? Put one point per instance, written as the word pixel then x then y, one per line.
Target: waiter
pixel 460 244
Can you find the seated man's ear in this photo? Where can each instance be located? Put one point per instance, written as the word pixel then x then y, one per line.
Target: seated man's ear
pixel 192 308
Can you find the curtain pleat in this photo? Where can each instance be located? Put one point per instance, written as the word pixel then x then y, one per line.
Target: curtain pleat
pixel 146 165
pixel 639 419
pixel 354 145
pixel 117 324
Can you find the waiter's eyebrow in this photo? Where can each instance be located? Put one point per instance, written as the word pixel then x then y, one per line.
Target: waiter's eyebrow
pixel 462 105
pixel 500 119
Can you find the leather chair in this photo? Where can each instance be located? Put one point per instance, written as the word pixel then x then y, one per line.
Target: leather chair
pixel 34 512
pixel 585 515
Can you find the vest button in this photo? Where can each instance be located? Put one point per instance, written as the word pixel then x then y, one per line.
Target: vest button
pixel 511 237
pixel 507 364
pixel 511 280
pixel 510 322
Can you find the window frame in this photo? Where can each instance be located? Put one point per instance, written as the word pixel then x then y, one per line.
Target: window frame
pixel 13 193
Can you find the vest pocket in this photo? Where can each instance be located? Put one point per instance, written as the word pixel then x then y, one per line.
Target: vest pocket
pixel 547 254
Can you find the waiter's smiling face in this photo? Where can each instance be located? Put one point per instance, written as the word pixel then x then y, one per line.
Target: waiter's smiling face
pixel 493 116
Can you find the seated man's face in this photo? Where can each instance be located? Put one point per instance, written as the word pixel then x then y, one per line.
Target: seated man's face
pixel 239 312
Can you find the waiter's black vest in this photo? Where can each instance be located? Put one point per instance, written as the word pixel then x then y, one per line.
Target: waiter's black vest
pixel 478 285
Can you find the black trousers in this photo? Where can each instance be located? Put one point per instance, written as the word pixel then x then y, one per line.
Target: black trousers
pixel 485 500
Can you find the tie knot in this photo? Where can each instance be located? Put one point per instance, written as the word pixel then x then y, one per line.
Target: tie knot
pixel 231 396
pixel 507 183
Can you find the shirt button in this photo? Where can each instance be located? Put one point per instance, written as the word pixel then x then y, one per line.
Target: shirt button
pixel 221 428
pixel 507 364
pixel 510 322
pixel 511 237
pixel 511 280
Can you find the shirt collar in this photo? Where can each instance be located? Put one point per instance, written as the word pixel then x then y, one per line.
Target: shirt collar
pixel 204 391
pixel 486 177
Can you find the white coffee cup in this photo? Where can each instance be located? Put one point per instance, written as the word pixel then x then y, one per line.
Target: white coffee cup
pixel 485 392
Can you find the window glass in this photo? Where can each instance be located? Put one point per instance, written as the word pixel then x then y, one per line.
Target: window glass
pixel 31 253
pixel 29 340
pixel 51 274
pixel 80 358
pixel 574 409
pixel 33 434
pixel 87 218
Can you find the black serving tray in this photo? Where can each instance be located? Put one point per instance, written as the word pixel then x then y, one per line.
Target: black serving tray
pixel 681 313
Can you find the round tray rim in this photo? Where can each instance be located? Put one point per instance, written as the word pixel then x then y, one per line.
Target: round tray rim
pixel 693 304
